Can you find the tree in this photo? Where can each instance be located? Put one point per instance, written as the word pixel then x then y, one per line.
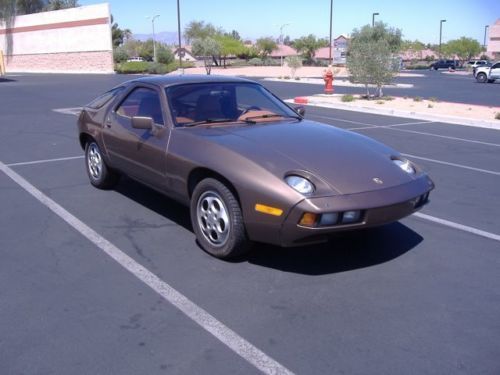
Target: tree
pixel 370 57
pixel 294 63
pixel 307 46
pixel 265 46
pixel 287 41
pixel 164 54
pixel 200 30
pixel 229 46
pixel 60 4
pixel 207 48
pixel 117 34
pixel 29 6
pixel 464 48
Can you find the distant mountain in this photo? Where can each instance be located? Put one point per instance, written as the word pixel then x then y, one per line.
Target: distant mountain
pixel 168 37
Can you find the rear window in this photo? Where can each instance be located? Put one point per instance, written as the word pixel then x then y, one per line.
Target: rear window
pixel 104 98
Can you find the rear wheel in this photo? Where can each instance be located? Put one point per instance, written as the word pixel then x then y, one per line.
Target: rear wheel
pixel 99 173
pixel 481 77
pixel 217 220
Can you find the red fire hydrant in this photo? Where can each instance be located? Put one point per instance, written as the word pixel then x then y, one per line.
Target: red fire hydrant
pixel 328 78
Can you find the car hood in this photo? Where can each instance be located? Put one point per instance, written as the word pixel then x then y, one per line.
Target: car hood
pixel 346 161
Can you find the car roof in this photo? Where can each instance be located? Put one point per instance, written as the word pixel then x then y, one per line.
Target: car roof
pixel 168 80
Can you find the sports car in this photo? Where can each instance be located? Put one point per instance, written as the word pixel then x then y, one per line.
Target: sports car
pixel 250 167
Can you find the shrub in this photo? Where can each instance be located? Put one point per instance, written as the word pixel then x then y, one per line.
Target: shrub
pixel 164 55
pixel 255 61
pixel 387 98
pixel 347 98
pixel 157 68
pixel 417 99
pixel 286 77
pixel 433 99
pixel 120 55
pixel 417 67
pixel 132 67
pixel 430 105
pixel 297 78
pixel 380 102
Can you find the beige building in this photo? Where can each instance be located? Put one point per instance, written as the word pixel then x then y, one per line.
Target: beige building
pixel 75 40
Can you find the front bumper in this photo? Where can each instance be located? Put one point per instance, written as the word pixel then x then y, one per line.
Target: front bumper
pixel 377 208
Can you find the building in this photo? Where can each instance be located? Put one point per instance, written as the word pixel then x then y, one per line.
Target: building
pixel 74 40
pixel 339 50
pixel 493 47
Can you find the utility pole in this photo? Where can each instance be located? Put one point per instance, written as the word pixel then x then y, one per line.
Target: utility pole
pixel 485 30
pixel 154 36
pixel 179 32
pixel 373 18
pixel 330 49
pixel 440 35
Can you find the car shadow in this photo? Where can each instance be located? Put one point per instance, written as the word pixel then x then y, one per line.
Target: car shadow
pixel 3 79
pixel 344 252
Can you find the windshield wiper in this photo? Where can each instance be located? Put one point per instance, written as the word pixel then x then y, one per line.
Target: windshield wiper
pixel 208 121
pixel 251 119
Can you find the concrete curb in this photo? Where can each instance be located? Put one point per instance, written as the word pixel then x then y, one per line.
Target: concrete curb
pixel 336 82
pixel 317 102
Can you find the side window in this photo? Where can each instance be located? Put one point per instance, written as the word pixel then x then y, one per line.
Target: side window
pixel 142 102
pixel 496 66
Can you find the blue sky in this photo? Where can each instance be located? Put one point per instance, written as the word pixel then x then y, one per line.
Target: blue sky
pixel 418 19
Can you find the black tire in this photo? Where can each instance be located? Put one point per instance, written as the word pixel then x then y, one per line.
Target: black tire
pixel 481 77
pixel 100 175
pixel 491 81
pixel 217 220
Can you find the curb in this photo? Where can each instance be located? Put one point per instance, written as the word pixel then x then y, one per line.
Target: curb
pixel 487 124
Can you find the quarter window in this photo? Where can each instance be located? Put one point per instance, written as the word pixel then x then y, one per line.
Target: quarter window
pixel 142 102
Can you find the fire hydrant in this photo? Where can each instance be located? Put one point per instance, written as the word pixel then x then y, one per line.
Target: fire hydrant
pixel 328 78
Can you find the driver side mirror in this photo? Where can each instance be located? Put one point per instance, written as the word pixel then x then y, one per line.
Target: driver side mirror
pixel 300 110
pixel 139 122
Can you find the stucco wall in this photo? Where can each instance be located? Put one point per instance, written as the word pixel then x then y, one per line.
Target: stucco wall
pixel 69 40
pixel 493 47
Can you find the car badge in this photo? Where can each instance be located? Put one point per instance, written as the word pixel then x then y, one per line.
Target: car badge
pixel 377 180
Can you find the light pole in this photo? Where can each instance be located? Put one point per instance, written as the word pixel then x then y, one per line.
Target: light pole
pixel 154 36
pixel 179 32
pixel 485 29
pixel 440 35
pixel 281 40
pixel 373 18
pixel 330 49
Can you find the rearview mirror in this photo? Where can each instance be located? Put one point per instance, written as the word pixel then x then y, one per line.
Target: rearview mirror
pixel 139 122
pixel 300 110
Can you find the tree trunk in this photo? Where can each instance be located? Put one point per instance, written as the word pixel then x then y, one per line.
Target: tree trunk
pixel 367 91
pixel 379 91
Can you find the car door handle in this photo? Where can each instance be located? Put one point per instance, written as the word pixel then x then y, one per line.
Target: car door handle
pixel 107 123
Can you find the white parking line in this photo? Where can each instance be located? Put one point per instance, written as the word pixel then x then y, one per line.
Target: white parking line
pixel 223 333
pixel 75 111
pixel 453 164
pixel 44 161
pixel 342 120
pixel 461 227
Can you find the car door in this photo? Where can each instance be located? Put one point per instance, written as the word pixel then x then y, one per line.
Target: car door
pixel 140 153
pixel 495 71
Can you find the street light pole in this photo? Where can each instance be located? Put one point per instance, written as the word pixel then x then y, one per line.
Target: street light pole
pixel 281 40
pixel 154 36
pixel 440 35
pixel 373 18
pixel 485 29
pixel 330 49
pixel 179 33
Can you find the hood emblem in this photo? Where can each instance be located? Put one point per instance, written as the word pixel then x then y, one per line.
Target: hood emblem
pixel 377 180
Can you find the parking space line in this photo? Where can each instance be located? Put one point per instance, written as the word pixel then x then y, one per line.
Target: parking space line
pixel 44 161
pixel 342 120
pixel 224 334
pixel 453 164
pixel 458 226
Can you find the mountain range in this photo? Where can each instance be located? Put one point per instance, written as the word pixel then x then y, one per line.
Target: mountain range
pixel 167 37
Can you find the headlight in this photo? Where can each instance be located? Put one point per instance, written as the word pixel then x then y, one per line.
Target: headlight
pixel 300 184
pixel 405 165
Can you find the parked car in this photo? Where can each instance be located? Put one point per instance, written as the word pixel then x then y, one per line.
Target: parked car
pixel 444 64
pixel 132 59
pixel 250 167
pixel 476 63
pixel 474 70
pixel 488 73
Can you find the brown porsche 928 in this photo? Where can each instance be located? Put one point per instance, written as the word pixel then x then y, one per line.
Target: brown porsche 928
pixel 250 167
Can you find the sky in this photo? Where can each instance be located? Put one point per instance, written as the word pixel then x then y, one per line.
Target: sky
pixel 418 19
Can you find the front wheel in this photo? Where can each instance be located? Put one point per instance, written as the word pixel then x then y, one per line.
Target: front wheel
pixel 217 220
pixel 99 174
pixel 481 77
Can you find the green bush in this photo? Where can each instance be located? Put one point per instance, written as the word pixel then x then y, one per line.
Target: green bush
pixel 132 67
pixel 164 55
pixel 120 55
pixel 347 98
pixel 417 99
pixel 255 61
pixel 433 99
pixel 417 67
pixel 157 68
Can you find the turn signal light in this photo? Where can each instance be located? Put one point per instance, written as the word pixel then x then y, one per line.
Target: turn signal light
pixel 268 210
pixel 309 219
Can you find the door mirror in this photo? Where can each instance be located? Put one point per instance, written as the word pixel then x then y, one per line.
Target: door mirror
pixel 139 122
pixel 300 110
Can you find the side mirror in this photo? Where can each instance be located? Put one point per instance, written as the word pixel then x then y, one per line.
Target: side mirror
pixel 139 122
pixel 300 110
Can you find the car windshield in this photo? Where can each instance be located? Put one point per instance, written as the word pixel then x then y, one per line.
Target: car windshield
pixel 220 103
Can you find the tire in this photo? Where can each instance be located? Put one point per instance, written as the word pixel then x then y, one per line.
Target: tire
pixel 100 175
pixel 217 220
pixel 491 81
pixel 481 78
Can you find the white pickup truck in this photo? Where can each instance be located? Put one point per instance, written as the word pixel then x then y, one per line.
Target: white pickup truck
pixel 488 73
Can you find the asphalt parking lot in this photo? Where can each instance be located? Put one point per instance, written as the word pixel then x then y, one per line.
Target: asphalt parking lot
pixel 90 279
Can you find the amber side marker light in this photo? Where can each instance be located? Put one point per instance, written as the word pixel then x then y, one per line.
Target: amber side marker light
pixel 268 210
pixel 309 219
